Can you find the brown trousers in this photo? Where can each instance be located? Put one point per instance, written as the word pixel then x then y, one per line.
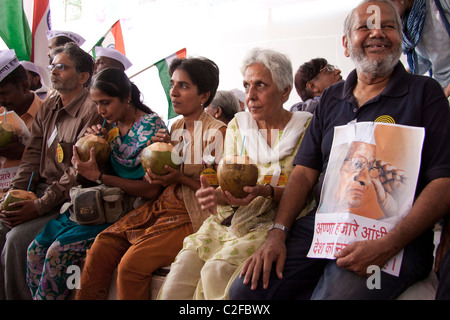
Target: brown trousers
pixel 143 241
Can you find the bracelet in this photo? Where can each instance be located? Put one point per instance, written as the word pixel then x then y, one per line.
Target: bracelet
pixel 99 180
pixel 272 191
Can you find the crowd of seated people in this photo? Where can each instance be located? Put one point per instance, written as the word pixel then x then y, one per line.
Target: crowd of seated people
pixel 219 245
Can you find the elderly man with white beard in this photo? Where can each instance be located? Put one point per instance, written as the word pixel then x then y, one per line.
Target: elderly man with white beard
pixel 379 88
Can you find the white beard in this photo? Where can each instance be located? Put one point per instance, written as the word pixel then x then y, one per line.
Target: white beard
pixel 374 67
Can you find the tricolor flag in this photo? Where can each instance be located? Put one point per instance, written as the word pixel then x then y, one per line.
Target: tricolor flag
pixel 164 77
pixel 41 24
pixel 163 69
pixel 113 38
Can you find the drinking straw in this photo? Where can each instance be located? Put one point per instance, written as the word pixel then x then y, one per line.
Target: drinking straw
pixel 167 129
pixel 29 183
pixel 104 121
pixel 243 141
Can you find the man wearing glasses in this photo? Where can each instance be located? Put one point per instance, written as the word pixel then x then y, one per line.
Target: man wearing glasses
pixel 62 119
pixel 378 89
pixel 311 79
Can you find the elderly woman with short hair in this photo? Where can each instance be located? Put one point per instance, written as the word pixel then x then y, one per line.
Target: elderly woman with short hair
pixel 224 106
pixel 270 136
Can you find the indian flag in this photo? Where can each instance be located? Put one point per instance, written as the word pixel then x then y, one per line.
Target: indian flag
pixel 41 24
pixel 30 44
pixel 113 38
pixel 164 77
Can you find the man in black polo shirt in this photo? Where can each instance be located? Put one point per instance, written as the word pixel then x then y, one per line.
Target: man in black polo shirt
pixel 379 90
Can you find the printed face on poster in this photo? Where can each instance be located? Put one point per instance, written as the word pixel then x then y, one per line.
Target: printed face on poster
pixel 369 185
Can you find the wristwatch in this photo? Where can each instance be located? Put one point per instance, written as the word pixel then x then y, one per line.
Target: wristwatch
pixel 99 180
pixel 278 226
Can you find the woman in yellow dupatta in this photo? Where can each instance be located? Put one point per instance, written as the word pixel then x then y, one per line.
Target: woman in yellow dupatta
pixel 270 136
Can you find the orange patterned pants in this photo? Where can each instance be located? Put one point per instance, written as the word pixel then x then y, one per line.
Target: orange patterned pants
pixel 143 241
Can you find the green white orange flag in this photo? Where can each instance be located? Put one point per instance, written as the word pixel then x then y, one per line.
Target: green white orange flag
pixel 164 77
pixel 41 24
pixel 29 44
pixel 113 38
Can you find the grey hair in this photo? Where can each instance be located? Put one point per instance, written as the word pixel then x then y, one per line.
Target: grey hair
pixel 227 101
pixel 349 20
pixel 278 64
pixel 82 61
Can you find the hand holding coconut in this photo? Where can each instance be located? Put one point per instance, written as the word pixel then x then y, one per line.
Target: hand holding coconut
pixel 252 193
pixel 91 152
pixel 88 169
pixel 13 150
pixel 161 163
pixel 17 208
pixel 237 178
pixel 83 148
pixel 13 137
pixel 173 176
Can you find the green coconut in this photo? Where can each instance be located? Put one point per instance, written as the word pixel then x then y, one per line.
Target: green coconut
pixel 17 195
pixel 6 134
pixel 157 155
pixel 100 145
pixel 235 173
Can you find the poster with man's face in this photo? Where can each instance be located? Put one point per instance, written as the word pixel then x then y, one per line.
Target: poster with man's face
pixel 369 184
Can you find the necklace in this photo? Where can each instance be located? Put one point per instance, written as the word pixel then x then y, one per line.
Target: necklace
pixel 128 127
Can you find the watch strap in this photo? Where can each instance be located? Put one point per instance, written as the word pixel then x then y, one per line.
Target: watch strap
pixel 278 226
pixel 99 179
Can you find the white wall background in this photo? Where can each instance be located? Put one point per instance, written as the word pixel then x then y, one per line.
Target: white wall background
pixel 222 30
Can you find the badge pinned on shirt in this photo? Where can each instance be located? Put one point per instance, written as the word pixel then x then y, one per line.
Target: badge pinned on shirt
pixel 59 153
pixel 211 176
pixel 112 134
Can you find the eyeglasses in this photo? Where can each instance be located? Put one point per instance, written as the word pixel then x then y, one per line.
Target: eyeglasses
pixel 329 67
pixel 58 67
pixel 357 164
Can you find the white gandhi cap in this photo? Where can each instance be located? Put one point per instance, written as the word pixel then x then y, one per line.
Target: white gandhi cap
pixel 79 40
pixel 8 62
pixel 113 54
pixel 30 66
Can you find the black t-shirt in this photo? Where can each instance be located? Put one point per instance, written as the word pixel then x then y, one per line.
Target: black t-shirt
pixel 407 100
